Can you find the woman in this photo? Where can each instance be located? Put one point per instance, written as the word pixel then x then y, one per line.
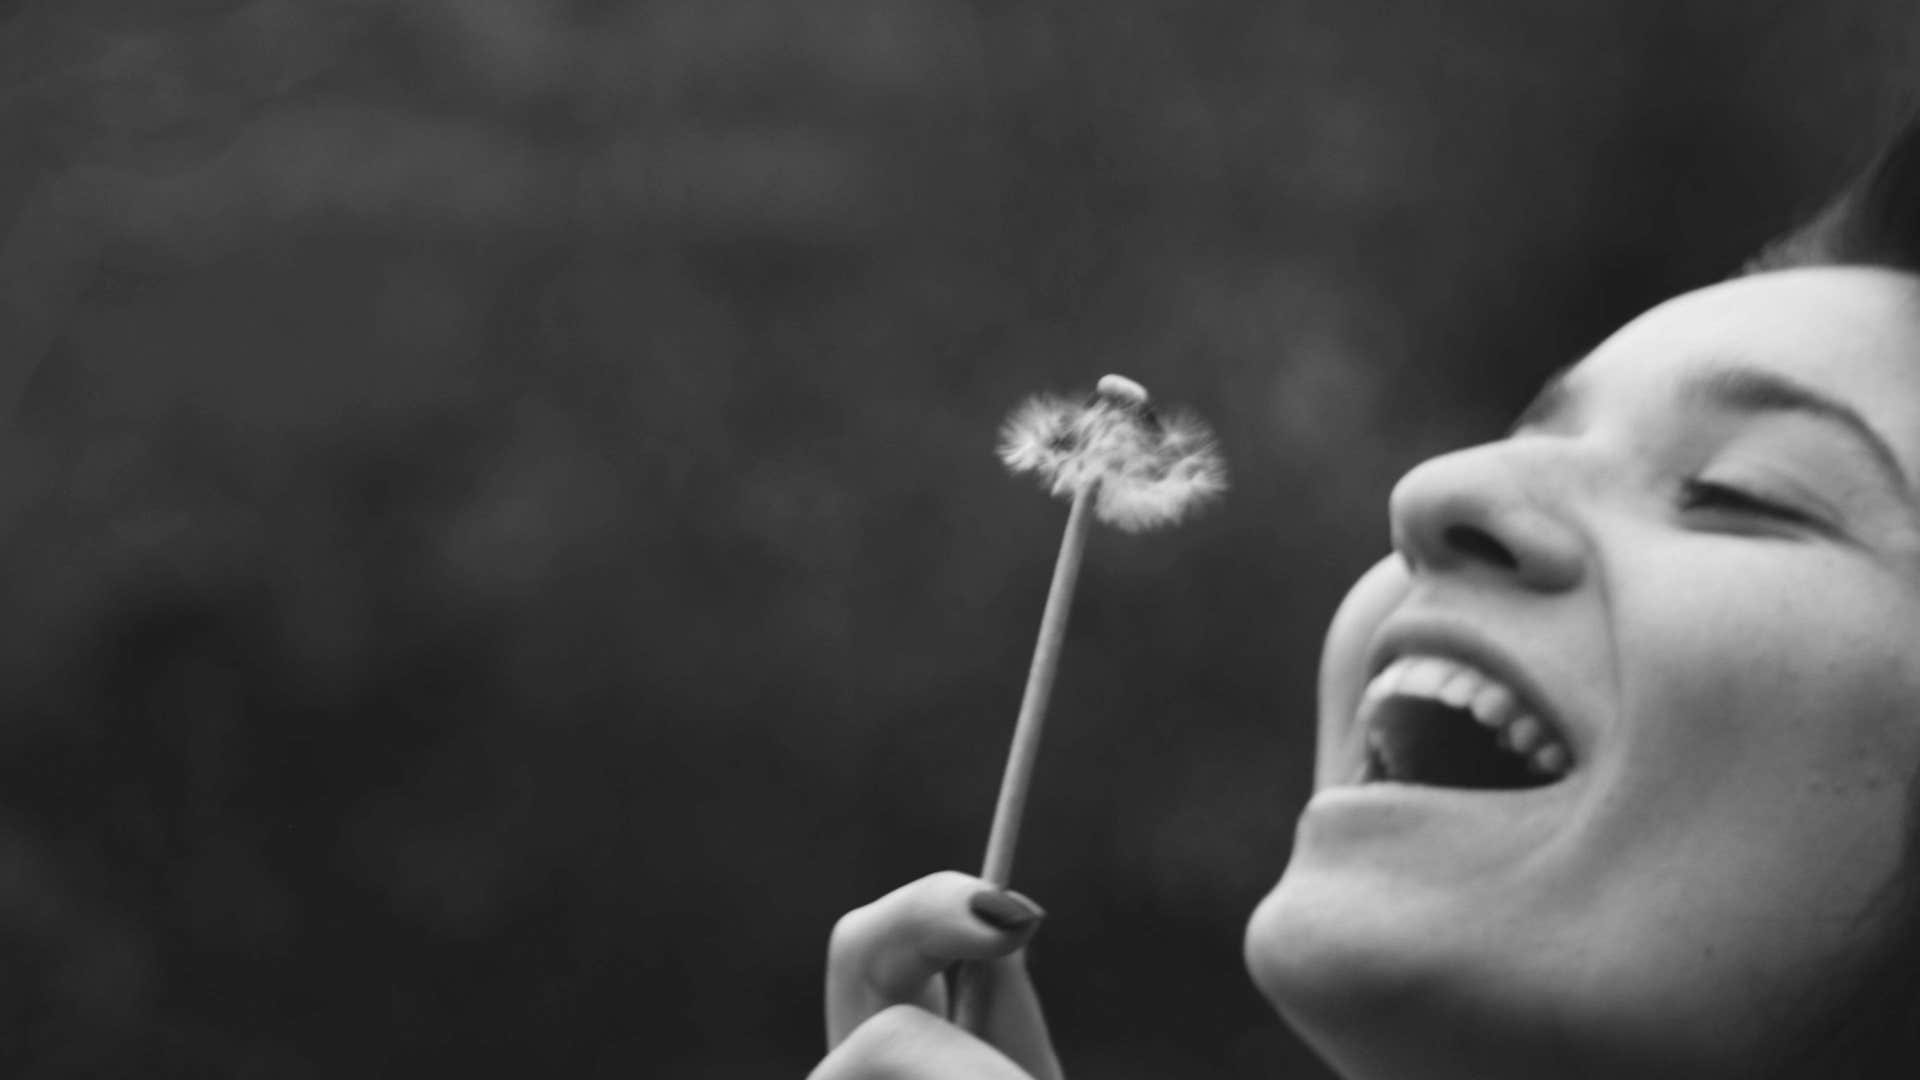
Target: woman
pixel 1616 750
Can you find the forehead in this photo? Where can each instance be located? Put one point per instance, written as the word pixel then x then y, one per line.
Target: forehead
pixel 1852 333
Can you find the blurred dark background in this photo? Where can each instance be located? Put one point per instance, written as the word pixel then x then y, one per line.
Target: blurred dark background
pixel 502 543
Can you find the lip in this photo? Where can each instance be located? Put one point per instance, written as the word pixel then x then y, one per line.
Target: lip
pixel 1455 640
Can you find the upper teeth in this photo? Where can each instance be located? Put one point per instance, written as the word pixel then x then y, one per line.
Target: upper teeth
pixel 1438 678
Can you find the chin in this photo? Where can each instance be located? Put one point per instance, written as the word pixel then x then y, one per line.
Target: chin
pixel 1333 974
pixel 1379 998
pixel 1380 994
pixel 1337 983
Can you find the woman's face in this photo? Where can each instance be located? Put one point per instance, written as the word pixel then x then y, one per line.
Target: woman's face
pixel 1695 564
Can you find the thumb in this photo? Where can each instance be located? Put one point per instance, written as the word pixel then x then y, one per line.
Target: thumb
pixel 894 950
pixel 959 920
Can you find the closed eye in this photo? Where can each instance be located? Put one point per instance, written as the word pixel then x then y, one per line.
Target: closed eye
pixel 1697 494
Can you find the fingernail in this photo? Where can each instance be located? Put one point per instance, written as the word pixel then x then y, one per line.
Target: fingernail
pixel 1005 910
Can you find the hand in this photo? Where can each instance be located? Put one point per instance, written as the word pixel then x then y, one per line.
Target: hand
pixel 887 1001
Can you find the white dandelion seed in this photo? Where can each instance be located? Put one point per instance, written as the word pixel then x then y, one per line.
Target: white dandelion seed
pixel 1119 461
pixel 1144 470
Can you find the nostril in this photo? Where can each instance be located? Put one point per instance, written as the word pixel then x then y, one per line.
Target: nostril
pixel 1477 545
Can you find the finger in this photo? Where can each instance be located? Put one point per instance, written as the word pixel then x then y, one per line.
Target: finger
pixel 906 1043
pixel 917 931
pixel 893 950
pixel 1008 1015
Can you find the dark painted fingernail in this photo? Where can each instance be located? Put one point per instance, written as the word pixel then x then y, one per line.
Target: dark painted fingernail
pixel 1005 910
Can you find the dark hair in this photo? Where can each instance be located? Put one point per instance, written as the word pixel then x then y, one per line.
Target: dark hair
pixel 1871 1028
pixel 1874 221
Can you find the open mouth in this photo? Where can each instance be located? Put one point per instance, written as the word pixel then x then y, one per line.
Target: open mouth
pixel 1443 723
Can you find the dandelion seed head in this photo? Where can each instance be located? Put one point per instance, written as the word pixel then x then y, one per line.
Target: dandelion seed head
pixel 1151 470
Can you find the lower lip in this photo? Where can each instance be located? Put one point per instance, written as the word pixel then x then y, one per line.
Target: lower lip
pixel 1395 791
pixel 1357 813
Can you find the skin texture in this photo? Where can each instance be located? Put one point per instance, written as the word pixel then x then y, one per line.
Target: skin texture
pixel 1738 680
pixel 886 999
pixel 1735 669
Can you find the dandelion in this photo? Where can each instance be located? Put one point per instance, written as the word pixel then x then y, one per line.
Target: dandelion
pixel 1145 470
pixel 1117 460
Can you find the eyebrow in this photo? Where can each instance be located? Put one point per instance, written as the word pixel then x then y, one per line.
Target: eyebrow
pixel 1746 391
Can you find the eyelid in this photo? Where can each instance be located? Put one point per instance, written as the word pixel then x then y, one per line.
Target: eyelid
pixel 1732 491
pixel 1750 499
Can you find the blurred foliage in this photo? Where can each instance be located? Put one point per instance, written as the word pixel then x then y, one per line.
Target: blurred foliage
pixel 501 540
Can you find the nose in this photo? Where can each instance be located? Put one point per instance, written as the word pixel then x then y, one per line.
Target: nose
pixel 1496 509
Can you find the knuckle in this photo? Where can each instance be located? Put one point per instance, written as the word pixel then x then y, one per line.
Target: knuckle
pixel 949 881
pixel 862 928
pixel 865 931
pixel 852 935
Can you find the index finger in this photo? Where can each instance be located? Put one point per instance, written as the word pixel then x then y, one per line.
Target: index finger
pixel 892 951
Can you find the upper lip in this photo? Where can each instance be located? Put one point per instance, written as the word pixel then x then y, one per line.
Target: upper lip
pixel 1458 641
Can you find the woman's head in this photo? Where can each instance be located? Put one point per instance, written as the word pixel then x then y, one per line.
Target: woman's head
pixel 1694 566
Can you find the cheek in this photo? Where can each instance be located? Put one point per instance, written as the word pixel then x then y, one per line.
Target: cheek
pixel 1788 672
pixel 1767 737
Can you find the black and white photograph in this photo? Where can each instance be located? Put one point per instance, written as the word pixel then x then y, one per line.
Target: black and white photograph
pixel 960 539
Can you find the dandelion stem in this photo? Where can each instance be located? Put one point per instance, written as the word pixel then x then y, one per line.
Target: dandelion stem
pixel 1014 783
pixel 969 1005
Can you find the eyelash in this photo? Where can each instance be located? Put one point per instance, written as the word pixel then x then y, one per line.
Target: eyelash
pixel 1697 494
